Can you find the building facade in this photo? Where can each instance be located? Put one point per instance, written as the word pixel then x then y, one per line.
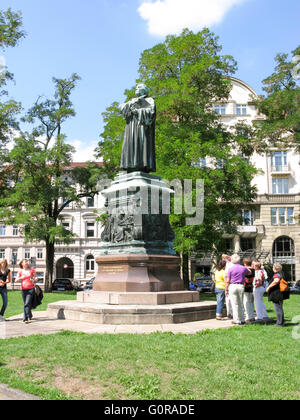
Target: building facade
pixel 271 229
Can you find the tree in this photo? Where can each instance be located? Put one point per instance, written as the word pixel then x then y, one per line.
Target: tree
pixel 281 105
pixel 187 76
pixel 37 185
pixel 10 33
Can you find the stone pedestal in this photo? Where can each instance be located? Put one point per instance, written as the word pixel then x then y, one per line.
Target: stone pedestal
pixel 138 273
pixel 138 280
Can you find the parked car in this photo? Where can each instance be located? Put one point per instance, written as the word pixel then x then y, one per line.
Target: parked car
pixel 296 287
pixel 89 284
pixel 62 285
pixel 204 283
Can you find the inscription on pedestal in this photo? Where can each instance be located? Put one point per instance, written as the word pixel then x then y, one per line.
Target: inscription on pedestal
pixel 114 269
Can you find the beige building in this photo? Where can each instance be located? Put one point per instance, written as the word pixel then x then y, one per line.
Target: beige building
pixel 271 229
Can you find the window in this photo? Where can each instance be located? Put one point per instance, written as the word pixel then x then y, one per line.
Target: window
pixel 67 226
pixel 2 253
pixel 273 216
pixel 220 109
pixel 90 230
pixel 248 217
pixel 283 247
pixel 201 163
pixel 279 161
pixel 2 230
pixel 220 163
pixel 290 216
pixel 15 230
pixel 282 216
pixel 229 244
pixel 90 263
pixel 247 243
pixel 40 254
pixel 280 186
pixel 27 254
pixel 90 202
pixel 40 277
pixel 14 256
pixel 241 109
pixel 281 213
pixel 64 202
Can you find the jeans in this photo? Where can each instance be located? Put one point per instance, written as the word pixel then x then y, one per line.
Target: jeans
pixel 27 296
pixel 3 293
pixel 279 313
pixel 220 293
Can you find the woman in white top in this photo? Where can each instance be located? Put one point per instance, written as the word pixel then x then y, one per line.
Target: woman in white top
pixel 258 293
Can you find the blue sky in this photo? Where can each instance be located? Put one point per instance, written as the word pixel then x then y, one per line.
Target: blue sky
pixel 102 41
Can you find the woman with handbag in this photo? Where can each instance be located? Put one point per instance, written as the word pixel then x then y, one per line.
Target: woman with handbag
pixel 275 295
pixel 27 276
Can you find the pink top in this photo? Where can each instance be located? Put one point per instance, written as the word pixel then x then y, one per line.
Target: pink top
pixel 27 283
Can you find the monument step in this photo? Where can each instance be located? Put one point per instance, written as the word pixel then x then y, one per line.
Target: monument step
pixel 138 298
pixel 133 314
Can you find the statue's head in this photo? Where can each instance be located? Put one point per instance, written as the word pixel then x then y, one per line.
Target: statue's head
pixel 142 90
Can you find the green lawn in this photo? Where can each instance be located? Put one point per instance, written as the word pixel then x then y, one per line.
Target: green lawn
pixel 251 362
pixel 15 302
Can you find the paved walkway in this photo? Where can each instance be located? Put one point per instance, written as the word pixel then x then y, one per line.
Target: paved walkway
pixel 9 394
pixel 43 323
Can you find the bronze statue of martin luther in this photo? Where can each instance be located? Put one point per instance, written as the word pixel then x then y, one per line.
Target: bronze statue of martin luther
pixel 138 152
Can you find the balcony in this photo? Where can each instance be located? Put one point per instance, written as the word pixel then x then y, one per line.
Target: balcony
pixel 281 170
pixel 251 231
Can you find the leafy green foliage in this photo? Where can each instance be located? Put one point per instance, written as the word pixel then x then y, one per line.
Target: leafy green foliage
pixel 186 75
pixel 39 182
pixel 281 106
pixel 10 33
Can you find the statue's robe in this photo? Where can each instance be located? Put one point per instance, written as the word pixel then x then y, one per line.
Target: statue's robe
pixel 138 152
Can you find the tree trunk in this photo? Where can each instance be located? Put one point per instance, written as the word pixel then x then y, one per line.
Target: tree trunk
pixel 50 249
pixel 185 270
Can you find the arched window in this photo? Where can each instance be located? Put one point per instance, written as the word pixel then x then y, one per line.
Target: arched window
pixel 284 253
pixel 90 263
pixel 283 247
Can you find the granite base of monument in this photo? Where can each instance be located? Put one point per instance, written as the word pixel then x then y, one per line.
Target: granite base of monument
pixel 138 273
pixel 133 313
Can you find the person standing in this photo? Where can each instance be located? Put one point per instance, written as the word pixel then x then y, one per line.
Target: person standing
pixel 235 289
pixel 27 276
pixel 259 291
pixel 229 265
pixel 248 294
pixel 5 278
pixel 275 295
pixel 220 289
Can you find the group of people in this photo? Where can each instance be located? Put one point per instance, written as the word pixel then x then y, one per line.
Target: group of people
pixel 242 287
pixel 27 276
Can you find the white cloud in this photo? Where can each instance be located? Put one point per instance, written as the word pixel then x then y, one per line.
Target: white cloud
pixel 171 16
pixel 84 152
